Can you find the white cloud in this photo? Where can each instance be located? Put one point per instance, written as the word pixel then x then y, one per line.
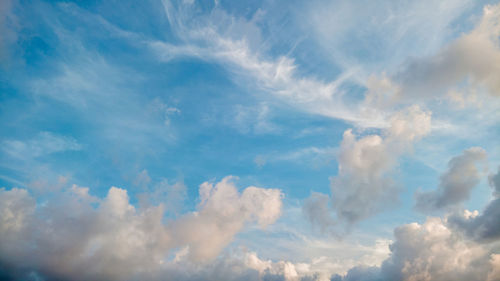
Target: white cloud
pixel 223 213
pixel 431 251
pixel 363 185
pixel 79 237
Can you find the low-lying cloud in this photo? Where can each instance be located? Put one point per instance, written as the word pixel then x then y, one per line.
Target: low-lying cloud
pixel 76 236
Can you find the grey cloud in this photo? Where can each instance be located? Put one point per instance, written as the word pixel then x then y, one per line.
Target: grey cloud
pixel 456 183
pixel 432 251
pixel 476 54
pixel 360 273
pixel 316 208
pixel 494 180
pixel 473 58
pixel 484 227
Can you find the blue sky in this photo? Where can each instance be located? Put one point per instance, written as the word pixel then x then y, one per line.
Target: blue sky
pixel 342 123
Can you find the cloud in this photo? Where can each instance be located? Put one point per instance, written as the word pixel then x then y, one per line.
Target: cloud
pixel 317 210
pixel 456 183
pixel 360 273
pixel 431 251
pixel 482 227
pixel 363 185
pixel 475 55
pixel 223 213
pixel 42 144
pixel 494 180
pixel 281 270
pixel 75 236
pixel 438 250
pixel 235 43
pixel 472 59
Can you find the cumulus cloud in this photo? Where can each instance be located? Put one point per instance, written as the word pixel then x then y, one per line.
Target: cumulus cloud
pixel 456 247
pixel 363 185
pixel 456 183
pixel 223 213
pixel 76 236
pixel 281 270
pixel 431 251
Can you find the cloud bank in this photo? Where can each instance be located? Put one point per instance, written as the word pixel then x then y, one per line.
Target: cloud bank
pixel 76 236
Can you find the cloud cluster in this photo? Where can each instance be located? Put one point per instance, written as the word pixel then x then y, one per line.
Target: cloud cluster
pixel 456 247
pixel 456 183
pixel 431 251
pixel 75 236
pixel 363 185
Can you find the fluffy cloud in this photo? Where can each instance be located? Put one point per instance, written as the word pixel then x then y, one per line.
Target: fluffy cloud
pixel 456 183
pixel 80 237
pixel 223 213
pixel 363 185
pixel 431 251
pixel 438 250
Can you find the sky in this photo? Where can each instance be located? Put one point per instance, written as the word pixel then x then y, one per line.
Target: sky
pixel 250 140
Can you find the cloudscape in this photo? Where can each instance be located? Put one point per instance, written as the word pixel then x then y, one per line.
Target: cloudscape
pixel 189 140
